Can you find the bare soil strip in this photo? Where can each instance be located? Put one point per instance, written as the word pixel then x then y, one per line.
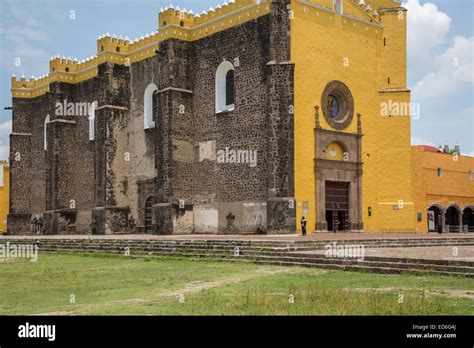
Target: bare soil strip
pixel 193 287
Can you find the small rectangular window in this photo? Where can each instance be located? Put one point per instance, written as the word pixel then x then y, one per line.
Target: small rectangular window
pixel 440 172
pixel 419 217
pixel 384 41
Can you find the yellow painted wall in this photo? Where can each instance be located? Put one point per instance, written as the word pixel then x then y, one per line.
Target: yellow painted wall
pixel 326 47
pixel 453 187
pixel 4 197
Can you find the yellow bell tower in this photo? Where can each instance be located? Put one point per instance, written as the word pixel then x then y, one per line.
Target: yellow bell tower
pixel 352 116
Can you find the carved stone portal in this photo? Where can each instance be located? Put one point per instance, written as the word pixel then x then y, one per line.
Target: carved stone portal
pixel 338 182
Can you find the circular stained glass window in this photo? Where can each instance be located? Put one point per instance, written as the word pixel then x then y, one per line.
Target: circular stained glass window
pixel 337 105
pixel 333 106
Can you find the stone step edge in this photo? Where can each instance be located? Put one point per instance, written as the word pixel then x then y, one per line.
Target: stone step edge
pixel 279 259
pixel 434 262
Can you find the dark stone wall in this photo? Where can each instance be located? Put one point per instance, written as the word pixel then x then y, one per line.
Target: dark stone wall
pixel 37 115
pixel 27 158
pixel 245 127
pixel 62 222
pixel 20 174
pixel 70 163
pixel 85 154
pixel 281 214
pixel 166 161
pixel 260 121
pixel 110 220
pixel 141 180
pixel 60 177
pixel 27 155
pixel 173 115
pixel 112 135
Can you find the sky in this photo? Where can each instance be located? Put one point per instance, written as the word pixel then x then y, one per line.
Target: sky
pixel 440 53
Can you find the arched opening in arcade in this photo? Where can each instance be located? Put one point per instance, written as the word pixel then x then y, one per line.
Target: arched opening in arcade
pixel 434 218
pixel 453 222
pixel 468 219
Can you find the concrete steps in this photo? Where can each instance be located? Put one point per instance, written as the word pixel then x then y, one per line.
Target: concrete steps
pixel 299 245
pixel 352 265
pixel 273 252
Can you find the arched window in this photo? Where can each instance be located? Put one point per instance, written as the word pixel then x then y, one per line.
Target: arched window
pixel 46 121
pixel 229 88
pixel 148 105
pixel 225 87
pixel 91 118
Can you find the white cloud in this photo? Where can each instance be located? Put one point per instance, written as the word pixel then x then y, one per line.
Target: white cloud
pixel 23 41
pixel 6 127
pixel 427 28
pixel 5 130
pixel 31 33
pixel 455 68
pixel 467 114
pixel 444 72
pixel 470 154
pixel 4 152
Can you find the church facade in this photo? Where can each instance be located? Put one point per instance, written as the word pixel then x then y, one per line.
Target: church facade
pixel 239 120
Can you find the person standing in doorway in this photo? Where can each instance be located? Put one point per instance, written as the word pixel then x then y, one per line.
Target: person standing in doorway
pixel 335 225
pixel 303 225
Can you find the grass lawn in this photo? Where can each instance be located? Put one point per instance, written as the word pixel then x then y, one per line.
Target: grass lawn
pixel 78 284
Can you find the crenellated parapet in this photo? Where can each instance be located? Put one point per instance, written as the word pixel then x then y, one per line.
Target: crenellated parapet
pixel 178 17
pixel 174 23
pixel 369 10
pixel 188 19
pixel 63 64
pixel 113 44
pixel 61 70
pixel 23 88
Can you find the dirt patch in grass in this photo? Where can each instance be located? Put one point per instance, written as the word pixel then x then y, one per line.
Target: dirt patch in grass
pixel 190 288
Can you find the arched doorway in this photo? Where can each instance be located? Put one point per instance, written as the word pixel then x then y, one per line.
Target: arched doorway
pixel 468 219
pixel 149 214
pixel 453 223
pixel 435 219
